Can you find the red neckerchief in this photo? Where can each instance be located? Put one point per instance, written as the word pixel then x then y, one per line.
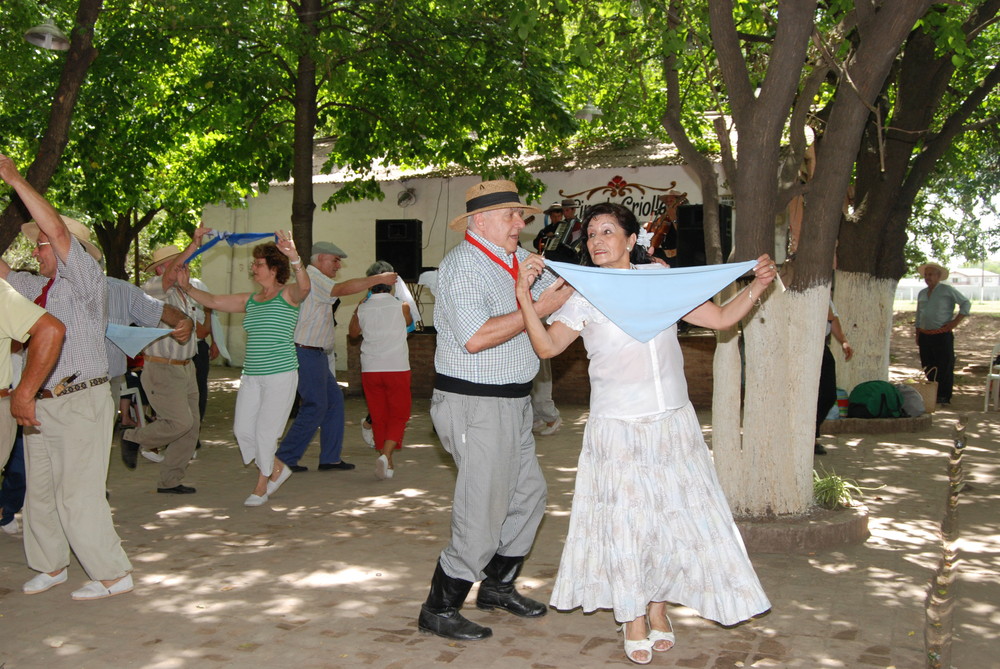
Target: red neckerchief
pixel 492 256
pixel 43 297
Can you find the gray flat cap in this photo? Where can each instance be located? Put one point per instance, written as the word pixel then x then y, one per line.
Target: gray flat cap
pixel 328 248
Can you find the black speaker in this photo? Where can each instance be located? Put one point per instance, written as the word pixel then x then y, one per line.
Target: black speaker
pixel 691 234
pixel 398 242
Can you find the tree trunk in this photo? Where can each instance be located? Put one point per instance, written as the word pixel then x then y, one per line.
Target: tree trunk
pixel 303 204
pixel 79 57
pixel 864 303
pixel 769 471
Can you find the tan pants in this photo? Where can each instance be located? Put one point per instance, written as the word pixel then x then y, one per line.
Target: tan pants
pixel 172 391
pixel 66 459
pixel 8 430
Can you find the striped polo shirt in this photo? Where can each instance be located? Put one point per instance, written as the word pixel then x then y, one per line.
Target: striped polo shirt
pixel 270 328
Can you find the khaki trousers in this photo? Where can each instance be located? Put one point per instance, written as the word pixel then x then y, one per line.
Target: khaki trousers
pixel 66 459
pixel 172 391
pixel 8 430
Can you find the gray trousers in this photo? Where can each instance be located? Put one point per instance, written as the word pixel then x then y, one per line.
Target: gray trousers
pixel 541 393
pixel 500 491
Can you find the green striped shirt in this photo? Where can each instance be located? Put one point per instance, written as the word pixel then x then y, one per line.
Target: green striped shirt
pixel 270 328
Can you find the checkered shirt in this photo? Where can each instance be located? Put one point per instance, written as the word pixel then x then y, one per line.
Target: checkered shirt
pixel 472 288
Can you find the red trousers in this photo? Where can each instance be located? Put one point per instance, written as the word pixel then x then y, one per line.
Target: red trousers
pixel 389 403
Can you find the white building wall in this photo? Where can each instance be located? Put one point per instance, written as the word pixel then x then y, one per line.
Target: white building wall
pixel 438 200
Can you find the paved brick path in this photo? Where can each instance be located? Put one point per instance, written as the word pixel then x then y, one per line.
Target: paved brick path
pixel 332 571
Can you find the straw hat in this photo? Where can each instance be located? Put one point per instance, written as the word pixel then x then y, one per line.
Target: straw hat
pixel 76 228
pixel 555 206
pixel 487 196
pixel 922 270
pixel 160 256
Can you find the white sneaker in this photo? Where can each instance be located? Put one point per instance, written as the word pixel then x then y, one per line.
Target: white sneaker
pixel 537 425
pixel 12 527
pixel 152 455
pixel 550 429
pixel 368 435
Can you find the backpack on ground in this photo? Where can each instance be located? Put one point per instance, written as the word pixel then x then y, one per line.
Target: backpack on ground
pixel 875 399
pixel 913 401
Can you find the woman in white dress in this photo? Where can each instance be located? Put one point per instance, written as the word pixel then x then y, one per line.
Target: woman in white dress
pixel 650 523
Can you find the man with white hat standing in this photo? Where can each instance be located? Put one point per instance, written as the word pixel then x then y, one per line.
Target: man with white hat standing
pixel 168 377
pixel 935 322
pixel 482 413
pixel 66 454
pixel 322 401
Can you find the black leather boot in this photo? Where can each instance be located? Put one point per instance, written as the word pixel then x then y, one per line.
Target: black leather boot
pixel 439 614
pixel 497 589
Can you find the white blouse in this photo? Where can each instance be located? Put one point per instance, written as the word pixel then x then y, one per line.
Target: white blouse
pixel 628 379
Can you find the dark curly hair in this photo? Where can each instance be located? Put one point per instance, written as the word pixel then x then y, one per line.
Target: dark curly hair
pixel 275 259
pixel 625 219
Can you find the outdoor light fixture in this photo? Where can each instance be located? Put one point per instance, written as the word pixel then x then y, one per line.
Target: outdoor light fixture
pixel 48 36
pixel 589 111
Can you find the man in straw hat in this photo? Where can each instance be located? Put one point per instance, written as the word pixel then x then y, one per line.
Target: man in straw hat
pixel 168 377
pixel 482 413
pixel 66 455
pixel 936 319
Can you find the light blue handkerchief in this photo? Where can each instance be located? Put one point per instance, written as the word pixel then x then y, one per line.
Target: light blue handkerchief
pixel 132 340
pixel 645 303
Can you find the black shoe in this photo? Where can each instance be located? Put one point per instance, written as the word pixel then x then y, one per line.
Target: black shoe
pixel 130 452
pixel 497 590
pixel 298 468
pixel 327 466
pixel 178 490
pixel 818 449
pixel 440 613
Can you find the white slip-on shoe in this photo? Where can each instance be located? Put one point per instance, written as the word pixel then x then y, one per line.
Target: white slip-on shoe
pixel 551 429
pixel 42 582
pixel 272 486
pixel 12 527
pixel 255 500
pixel 368 435
pixel 381 467
pixel 152 455
pixel 97 590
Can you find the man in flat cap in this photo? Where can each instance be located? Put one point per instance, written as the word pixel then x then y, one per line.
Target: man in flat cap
pixel 482 413
pixel 66 454
pixel 935 322
pixel 322 401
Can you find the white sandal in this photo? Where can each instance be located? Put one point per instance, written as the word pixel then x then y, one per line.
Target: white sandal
pixel 639 645
pixel 657 635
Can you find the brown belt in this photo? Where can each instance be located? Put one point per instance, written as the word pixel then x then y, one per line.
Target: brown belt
pixel 66 390
pixel 310 348
pixel 165 361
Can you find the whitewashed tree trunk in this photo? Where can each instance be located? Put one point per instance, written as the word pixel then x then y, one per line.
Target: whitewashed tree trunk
pixel 865 307
pixel 768 469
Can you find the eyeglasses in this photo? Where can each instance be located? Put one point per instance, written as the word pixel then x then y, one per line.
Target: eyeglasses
pixel 259 263
pixel 44 244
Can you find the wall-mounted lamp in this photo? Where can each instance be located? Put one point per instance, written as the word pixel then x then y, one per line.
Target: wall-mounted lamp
pixel 588 112
pixel 47 36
